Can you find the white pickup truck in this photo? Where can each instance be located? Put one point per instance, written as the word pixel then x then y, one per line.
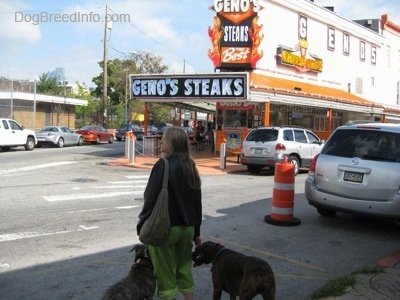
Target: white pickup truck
pixel 13 134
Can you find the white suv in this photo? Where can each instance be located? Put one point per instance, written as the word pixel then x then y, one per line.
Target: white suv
pixel 265 146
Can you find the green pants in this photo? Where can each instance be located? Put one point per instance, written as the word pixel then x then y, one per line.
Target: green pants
pixel 172 263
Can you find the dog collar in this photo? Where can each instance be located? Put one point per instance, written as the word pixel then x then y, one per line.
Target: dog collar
pixel 144 262
pixel 220 250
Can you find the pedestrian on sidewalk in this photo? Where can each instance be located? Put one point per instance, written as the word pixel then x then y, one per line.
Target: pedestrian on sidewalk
pixel 172 261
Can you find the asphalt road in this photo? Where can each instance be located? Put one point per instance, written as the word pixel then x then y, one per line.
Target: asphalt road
pixel 67 223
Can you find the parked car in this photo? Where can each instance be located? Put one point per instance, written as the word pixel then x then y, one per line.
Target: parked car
pixel 357 171
pixel 161 126
pixel 58 136
pixel 95 134
pixel 266 146
pixel 124 128
pixel 153 130
pixel 12 134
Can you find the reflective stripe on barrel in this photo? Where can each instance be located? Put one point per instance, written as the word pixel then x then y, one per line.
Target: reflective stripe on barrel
pixel 283 192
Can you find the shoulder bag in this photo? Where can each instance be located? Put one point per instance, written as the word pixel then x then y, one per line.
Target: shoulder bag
pixel 156 228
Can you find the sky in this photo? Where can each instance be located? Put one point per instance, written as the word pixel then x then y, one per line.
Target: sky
pixel 176 30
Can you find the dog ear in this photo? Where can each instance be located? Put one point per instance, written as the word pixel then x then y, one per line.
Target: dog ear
pixel 137 247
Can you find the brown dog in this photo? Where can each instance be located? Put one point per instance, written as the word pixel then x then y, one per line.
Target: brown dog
pixel 139 284
pixel 236 273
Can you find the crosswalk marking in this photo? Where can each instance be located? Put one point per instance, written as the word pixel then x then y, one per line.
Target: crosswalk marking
pixel 42 166
pixel 120 187
pixel 28 235
pixel 56 198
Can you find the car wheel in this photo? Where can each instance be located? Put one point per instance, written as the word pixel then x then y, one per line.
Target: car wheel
pixel 30 144
pixel 80 141
pixel 295 162
pixel 326 212
pixel 254 169
pixel 60 143
pixel 98 140
pixel 119 139
pixel 5 148
pixel 111 140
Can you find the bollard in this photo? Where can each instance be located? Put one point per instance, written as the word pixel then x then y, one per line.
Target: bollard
pixel 283 196
pixel 127 138
pixel 222 156
pixel 131 156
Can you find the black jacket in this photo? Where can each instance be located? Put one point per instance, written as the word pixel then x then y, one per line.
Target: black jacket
pixel 185 207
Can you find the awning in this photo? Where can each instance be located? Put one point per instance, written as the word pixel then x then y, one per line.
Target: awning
pixel 203 107
pixel 276 89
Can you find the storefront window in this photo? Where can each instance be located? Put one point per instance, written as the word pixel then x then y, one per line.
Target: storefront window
pixel 235 118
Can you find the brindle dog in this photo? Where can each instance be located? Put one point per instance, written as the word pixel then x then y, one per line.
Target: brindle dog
pixel 139 284
pixel 236 273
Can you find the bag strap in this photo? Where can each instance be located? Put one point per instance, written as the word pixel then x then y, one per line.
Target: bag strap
pixel 166 170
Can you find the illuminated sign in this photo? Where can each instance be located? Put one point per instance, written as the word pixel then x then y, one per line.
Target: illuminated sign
pixel 236 34
pixel 300 60
pixel 221 86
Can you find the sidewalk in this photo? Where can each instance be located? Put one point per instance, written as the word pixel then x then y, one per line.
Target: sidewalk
pixel 378 286
pixel 207 162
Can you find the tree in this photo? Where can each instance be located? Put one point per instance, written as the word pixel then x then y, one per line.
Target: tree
pixel 142 62
pixel 48 85
pixel 86 114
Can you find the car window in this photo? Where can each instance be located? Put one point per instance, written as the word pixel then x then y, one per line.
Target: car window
pixel 5 124
pixel 300 136
pixel 288 135
pixel 366 144
pixel 15 126
pixel 263 135
pixel 313 139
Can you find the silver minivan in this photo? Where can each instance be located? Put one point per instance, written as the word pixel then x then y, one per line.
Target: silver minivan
pixel 357 171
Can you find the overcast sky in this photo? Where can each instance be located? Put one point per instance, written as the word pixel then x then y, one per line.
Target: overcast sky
pixel 173 29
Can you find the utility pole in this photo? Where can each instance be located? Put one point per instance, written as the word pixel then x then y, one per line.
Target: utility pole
pixel 105 77
pixel 126 95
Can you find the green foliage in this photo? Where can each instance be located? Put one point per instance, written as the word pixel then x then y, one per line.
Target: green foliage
pixel 118 86
pixel 334 287
pixel 48 85
pixel 337 286
pixel 159 112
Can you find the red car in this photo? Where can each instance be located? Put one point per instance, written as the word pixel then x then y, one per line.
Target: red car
pixel 96 134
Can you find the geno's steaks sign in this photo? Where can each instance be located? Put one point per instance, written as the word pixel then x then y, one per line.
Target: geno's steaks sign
pixel 186 87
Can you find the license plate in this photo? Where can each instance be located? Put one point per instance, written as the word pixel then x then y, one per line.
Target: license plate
pixel 353 177
pixel 258 151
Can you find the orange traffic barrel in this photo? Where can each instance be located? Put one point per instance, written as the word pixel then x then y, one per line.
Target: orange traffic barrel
pixel 283 196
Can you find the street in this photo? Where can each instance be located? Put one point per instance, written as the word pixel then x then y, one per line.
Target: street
pixel 68 221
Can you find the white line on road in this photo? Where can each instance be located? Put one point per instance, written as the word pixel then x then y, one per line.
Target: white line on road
pixel 29 168
pixel 120 187
pixel 137 176
pixel 127 207
pixel 28 235
pixel 127 182
pixel 56 198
